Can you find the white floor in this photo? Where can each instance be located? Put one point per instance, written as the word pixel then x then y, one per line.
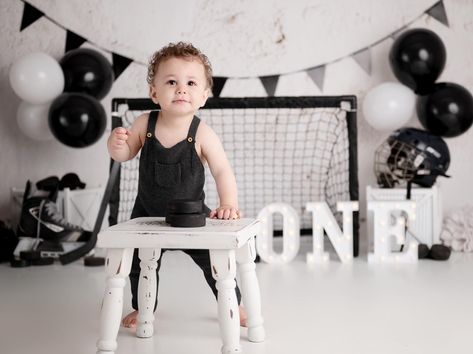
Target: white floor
pixel 332 309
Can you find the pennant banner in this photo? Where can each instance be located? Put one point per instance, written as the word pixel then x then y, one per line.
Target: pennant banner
pixel 217 88
pixel 73 41
pixel 363 56
pixel 317 75
pixel 30 15
pixel 438 12
pixel 270 83
pixel 119 63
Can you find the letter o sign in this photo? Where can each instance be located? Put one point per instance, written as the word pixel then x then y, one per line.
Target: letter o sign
pixel 290 235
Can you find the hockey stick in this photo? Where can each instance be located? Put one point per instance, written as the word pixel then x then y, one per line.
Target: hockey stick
pixel 74 255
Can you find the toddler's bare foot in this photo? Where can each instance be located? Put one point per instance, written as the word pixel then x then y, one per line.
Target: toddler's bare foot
pixel 129 321
pixel 242 316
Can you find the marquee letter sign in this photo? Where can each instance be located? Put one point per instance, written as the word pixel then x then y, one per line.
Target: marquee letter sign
pixel 323 219
pixel 387 225
pixel 290 234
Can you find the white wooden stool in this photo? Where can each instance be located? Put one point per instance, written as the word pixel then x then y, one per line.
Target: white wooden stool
pixel 228 241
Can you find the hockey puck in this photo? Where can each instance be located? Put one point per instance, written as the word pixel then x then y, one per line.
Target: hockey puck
pixel 186 220
pixel 19 263
pixel 184 206
pixel 30 255
pixel 422 251
pixel 92 261
pixel 42 261
pixel 439 252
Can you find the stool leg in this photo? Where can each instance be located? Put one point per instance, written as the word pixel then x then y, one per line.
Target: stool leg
pixel 223 271
pixel 117 267
pixel 250 291
pixel 147 291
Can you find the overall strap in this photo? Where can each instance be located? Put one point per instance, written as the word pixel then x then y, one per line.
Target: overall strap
pixel 193 129
pixel 152 119
pixel 191 140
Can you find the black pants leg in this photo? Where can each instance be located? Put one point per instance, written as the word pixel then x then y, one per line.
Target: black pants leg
pixel 200 257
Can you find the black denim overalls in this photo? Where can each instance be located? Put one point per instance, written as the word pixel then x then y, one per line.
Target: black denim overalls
pixel 166 174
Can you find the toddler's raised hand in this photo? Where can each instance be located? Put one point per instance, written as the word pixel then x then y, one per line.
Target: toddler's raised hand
pixel 118 138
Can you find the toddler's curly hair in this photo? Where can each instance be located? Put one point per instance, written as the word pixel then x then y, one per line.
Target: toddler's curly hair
pixel 179 50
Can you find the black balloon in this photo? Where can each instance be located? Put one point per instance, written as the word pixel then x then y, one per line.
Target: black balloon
pixel 446 111
pixel 88 71
pixel 77 119
pixel 417 59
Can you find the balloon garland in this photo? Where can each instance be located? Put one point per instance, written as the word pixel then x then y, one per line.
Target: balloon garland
pixel 447 110
pixel 417 58
pixel 388 106
pixel 88 71
pixel 75 118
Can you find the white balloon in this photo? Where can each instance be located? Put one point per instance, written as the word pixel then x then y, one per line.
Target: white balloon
pixel 389 106
pixel 33 120
pixel 37 78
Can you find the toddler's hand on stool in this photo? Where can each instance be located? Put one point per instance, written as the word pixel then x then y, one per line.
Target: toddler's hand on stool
pixel 225 212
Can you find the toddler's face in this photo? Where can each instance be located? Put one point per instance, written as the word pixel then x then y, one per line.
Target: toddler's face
pixel 180 86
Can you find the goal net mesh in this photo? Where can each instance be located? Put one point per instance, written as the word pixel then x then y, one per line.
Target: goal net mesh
pixel 292 151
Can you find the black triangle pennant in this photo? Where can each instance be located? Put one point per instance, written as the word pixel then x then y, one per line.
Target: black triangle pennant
pixel 73 41
pixel 217 88
pixel 438 12
pixel 120 63
pixel 270 83
pixel 30 15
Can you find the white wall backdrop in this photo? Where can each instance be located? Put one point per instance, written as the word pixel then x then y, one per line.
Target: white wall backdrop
pixel 243 39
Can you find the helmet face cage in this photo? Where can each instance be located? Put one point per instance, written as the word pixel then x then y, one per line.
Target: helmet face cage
pixel 410 155
pixel 395 163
